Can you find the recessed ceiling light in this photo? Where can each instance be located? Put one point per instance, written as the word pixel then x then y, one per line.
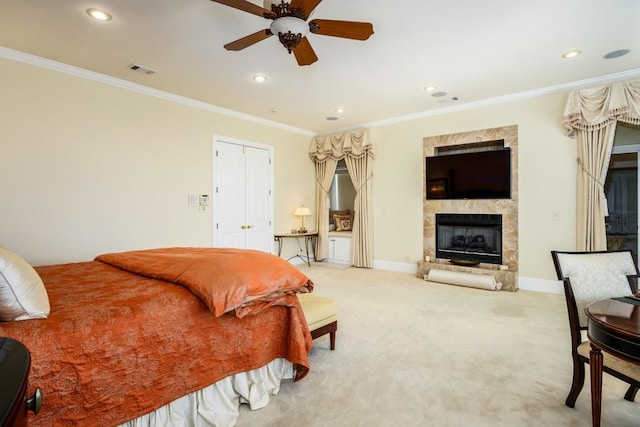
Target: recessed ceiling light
pixel 430 88
pixel 98 14
pixel 571 54
pixel 331 118
pixel 259 78
pixel 616 53
pixel 439 94
pixel 340 110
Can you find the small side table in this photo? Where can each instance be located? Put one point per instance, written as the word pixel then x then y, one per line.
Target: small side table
pixel 309 238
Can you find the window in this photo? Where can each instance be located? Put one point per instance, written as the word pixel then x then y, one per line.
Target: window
pixel 342 193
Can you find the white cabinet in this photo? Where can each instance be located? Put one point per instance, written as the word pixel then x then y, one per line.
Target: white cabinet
pixel 339 249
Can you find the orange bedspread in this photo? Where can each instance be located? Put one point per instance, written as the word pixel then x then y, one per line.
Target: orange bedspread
pixel 225 279
pixel 118 345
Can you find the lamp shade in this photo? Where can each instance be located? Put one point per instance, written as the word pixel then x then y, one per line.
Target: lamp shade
pixel 302 211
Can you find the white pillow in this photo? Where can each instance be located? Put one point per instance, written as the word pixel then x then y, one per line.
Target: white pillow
pixel 22 293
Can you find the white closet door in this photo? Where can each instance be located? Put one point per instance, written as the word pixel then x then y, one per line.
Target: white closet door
pixel 242 197
pixel 229 195
pixel 257 197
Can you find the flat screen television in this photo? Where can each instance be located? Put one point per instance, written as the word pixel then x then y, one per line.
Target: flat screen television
pixel 472 175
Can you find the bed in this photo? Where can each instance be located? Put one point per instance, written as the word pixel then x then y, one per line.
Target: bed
pixel 164 336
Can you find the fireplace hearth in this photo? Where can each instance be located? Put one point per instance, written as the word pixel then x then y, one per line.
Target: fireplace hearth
pixel 469 238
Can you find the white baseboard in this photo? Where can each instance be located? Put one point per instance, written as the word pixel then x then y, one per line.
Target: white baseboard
pixel 540 285
pixel 524 283
pixel 402 267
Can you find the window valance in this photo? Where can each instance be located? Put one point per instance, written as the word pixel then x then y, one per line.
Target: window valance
pixel 596 108
pixel 355 144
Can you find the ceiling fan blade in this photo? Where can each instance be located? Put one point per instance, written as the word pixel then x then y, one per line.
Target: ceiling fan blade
pixel 246 6
pixel 304 53
pixel 249 40
pixel 344 29
pixel 307 6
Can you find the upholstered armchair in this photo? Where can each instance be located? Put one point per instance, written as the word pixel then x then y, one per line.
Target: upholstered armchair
pixel 589 277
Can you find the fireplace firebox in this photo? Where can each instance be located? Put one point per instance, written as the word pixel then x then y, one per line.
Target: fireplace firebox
pixel 469 238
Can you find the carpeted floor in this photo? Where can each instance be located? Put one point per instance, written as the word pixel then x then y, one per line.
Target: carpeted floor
pixel 414 353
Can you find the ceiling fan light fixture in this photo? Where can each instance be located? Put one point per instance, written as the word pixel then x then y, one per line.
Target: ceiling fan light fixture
pixel 289 23
pixel 290 31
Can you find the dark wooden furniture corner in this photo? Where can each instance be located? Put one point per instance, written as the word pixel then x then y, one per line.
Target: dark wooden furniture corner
pixel 15 362
pixel 616 334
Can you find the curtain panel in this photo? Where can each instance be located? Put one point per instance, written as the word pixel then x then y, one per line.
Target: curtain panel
pixel 324 175
pixel 592 115
pixel 357 150
pixel 362 236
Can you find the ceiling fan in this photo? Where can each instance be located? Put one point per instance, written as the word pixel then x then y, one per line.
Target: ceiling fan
pixel 291 27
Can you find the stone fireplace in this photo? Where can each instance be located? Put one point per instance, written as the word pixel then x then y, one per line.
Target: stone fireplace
pixel 505 270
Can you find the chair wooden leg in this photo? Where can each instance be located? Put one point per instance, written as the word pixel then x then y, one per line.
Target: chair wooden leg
pixel 576 385
pixel 332 339
pixel 630 395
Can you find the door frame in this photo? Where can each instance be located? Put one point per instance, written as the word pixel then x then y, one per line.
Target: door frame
pixel 271 208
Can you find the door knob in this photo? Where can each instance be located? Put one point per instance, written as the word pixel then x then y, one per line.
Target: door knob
pixel 249 226
pixel 243 227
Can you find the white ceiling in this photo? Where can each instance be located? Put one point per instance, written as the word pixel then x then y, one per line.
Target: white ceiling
pixel 473 50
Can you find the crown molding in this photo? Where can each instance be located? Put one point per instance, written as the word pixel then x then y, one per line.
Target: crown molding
pixel 565 87
pixel 145 90
pixel 135 87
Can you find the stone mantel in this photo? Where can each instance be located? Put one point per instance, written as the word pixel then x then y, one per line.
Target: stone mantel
pixel 508 208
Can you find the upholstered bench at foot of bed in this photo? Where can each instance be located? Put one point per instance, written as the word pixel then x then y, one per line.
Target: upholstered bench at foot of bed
pixel 322 316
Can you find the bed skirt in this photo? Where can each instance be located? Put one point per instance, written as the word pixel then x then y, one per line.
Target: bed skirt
pixel 219 404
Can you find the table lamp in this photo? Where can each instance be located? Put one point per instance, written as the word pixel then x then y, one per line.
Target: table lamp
pixel 302 211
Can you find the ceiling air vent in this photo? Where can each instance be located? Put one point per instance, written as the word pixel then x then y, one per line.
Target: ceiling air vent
pixel 448 99
pixel 140 69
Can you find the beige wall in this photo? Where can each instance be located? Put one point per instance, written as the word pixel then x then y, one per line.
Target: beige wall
pixel 88 168
pixel 547 170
